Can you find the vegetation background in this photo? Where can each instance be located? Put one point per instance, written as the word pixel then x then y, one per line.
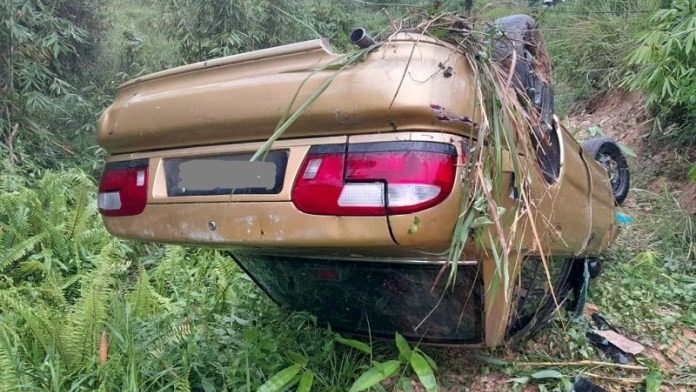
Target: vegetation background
pixel 81 310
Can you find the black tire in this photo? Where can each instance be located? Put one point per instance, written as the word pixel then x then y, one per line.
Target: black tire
pixel 608 153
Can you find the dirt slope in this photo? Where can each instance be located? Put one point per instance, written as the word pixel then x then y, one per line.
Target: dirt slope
pixel 623 116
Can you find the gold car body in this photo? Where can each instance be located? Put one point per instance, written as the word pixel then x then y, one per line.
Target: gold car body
pixel 398 92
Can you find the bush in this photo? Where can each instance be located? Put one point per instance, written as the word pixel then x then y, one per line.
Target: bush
pixel 664 66
pixel 589 41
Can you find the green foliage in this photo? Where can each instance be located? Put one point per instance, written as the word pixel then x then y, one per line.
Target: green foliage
pixel 48 227
pixel 189 319
pixel 210 29
pixel 414 358
pixel 664 66
pixel 588 42
pixel 654 281
pixel 281 379
pixel 173 318
pixel 379 372
pixel 43 48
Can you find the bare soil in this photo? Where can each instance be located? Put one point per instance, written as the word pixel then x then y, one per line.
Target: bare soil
pixel 623 116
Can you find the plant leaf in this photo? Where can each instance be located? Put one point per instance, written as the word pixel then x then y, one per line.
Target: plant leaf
pixel 404 384
pixel 431 361
pixel 280 379
pixel 404 348
pixel 546 373
pixel 492 360
pixel 423 371
pixel 692 173
pixel 306 381
pixel 520 380
pixel 595 131
pixel 653 381
pixel 376 374
pixel 627 150
pixel 297 358
pixel 356 344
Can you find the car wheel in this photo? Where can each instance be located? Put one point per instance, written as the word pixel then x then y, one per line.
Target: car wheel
pixel 608 153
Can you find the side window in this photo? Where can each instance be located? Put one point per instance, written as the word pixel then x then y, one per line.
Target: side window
pixel 520 34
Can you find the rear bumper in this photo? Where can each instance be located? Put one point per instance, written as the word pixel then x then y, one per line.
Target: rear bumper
pixel 250 224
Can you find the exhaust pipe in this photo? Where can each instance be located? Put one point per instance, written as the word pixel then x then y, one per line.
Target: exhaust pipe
pixel 361 38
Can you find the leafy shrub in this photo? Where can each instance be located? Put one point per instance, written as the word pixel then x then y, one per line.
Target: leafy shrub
pixel 588 42
pixel 664 66
pixel 44 48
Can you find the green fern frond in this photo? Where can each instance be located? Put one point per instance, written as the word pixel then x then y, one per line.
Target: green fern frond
pixel 143 299
pixel 88 317
pixel 13 369
pixel 181 384
pixel 38 323
pixel 20 250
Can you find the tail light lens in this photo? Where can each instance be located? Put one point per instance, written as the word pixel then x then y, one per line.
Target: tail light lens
pixel 375 178
pixel 123 188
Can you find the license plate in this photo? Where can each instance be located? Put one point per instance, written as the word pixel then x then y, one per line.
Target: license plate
pixel 225 174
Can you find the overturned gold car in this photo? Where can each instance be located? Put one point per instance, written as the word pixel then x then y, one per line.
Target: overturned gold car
pixel 386 203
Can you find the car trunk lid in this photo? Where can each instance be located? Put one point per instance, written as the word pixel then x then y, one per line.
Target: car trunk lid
pixel 242 98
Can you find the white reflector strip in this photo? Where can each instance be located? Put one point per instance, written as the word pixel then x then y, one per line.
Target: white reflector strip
pixel 370 194
pixel 312 169
pixel 109 200
pixel 140 178
pixel 404 195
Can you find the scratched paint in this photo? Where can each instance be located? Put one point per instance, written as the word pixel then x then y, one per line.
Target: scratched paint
pixel 448 116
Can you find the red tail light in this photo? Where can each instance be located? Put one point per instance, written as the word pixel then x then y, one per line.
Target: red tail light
pixel 123 188
pixel 375 178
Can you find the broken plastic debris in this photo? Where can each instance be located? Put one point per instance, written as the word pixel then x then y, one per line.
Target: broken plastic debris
pixel 609 349
pixel 623 219
pixel 621 342
pixel 611 342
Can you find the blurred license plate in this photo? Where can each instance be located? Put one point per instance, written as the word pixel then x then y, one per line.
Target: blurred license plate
pixel 225 174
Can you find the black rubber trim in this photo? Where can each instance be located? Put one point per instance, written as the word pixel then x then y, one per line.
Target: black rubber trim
pixel 328 149
pixel 132 164
pixel 436 147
